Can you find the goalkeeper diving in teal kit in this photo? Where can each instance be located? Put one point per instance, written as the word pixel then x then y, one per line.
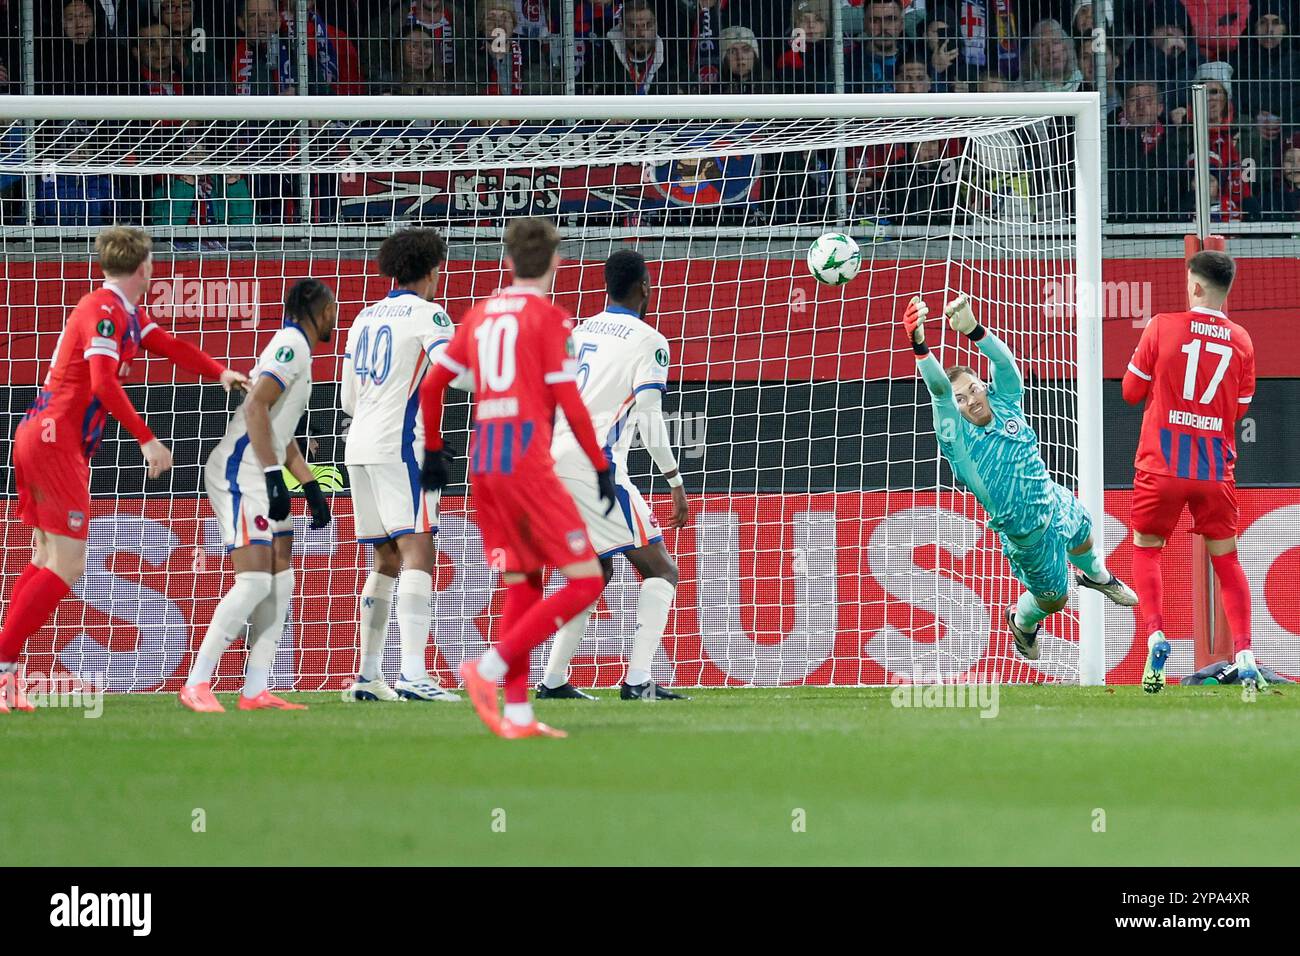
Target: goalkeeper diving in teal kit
pixel 984 435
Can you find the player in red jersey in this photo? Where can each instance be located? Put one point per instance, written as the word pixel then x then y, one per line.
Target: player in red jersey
pixel 1196 371
pixel 517 346
pixel 56 439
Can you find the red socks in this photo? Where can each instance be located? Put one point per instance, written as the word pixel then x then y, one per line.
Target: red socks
pixel 520 598
pixel 1235 591
pixel 42 590
pixel 541 619
pixel 1149 587
pixel 23 580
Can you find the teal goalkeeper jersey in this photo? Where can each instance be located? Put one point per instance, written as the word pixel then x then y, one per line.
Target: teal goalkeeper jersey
pixel 999 463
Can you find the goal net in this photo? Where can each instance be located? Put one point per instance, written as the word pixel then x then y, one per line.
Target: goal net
pixel 828 542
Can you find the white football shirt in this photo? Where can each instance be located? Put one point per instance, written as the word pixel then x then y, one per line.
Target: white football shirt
pixel 389 349
pixel 287 359
pixel 618 355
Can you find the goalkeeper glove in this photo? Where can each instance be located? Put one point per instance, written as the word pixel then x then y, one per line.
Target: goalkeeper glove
pixel 605 482
pixel 962 319
pixel 317 505
pixel 277 495
pixel 914 324
pixel 433 473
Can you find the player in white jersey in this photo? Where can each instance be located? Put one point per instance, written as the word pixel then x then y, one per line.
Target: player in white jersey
pixel 622 374
pixel 389 349
pixel 244 479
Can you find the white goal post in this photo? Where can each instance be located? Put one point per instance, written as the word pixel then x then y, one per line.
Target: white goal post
pixel 997 195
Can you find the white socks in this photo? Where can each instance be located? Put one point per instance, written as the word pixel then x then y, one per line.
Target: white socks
pixel 268 625
pixel 519 714
pixel 1091 564
pixel 491 665
pixel 564 647
pixel 1028 614
pixel 376 605
pixel 414 590
pixel 228 620
pixel 653 602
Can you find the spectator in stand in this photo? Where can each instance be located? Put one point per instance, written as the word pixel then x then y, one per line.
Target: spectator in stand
pixel 381 48
pixel 912 76
pixel 67 200
pixel 200 50
pixel 876 57
pixel 333 64
pixel 943 55
pixel 741 70
pixel 805 65
pixel 987 35
pixel 498 61
pixel 703 48
pixel 262 62
pixel 592 21
pixel 1145 158
pixel 633 58
pixel 74 60
pixel 1217 25
pixel 1280 201
pixel 906 183
pixel 1050 63
pixel 201 200
pixel 1167 58
pixel 417 70
pixel 994 83
pixel 1225 135
pixel 156 59
pixel 1267 67
pixel 1087 57
pixel 1083 18
pixel 265 57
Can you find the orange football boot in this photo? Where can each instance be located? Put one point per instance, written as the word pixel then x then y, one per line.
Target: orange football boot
pixel 483 694
pixel 201 700
pixel 511 731
pixel 11 693
pixel 267 701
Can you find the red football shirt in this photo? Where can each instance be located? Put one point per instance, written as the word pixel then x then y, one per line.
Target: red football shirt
pixel 102 323
pixel 517 343
pixel 1200 366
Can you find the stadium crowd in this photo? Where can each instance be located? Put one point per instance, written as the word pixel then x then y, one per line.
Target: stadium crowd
pixel 1151 51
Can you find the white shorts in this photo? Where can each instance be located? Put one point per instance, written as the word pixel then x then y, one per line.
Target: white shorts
pixel 388 502
pixel 630 525
pixel 239 501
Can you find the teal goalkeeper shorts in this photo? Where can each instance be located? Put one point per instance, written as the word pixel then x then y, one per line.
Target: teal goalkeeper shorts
pixel 1041 566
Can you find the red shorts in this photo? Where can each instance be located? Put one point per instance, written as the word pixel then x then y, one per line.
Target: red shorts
pixel 528 522
pixel 53 485
pixel 1158 502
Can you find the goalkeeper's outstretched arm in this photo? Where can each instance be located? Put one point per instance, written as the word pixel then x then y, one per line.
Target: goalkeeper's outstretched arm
pixel 1007 380
pixel 947 418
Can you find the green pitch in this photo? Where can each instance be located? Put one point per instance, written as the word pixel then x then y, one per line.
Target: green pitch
pixel 790 776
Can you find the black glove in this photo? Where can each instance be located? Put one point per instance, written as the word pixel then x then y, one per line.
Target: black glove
pixel 433 474
pixel 605 482
pixel 318 504
pixel 277 495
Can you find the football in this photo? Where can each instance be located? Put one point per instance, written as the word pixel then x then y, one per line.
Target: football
pixel 834 259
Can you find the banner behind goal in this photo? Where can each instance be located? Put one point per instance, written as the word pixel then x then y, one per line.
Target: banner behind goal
pixel 829 543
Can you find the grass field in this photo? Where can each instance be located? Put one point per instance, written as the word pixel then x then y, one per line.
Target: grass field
pixel 717 780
